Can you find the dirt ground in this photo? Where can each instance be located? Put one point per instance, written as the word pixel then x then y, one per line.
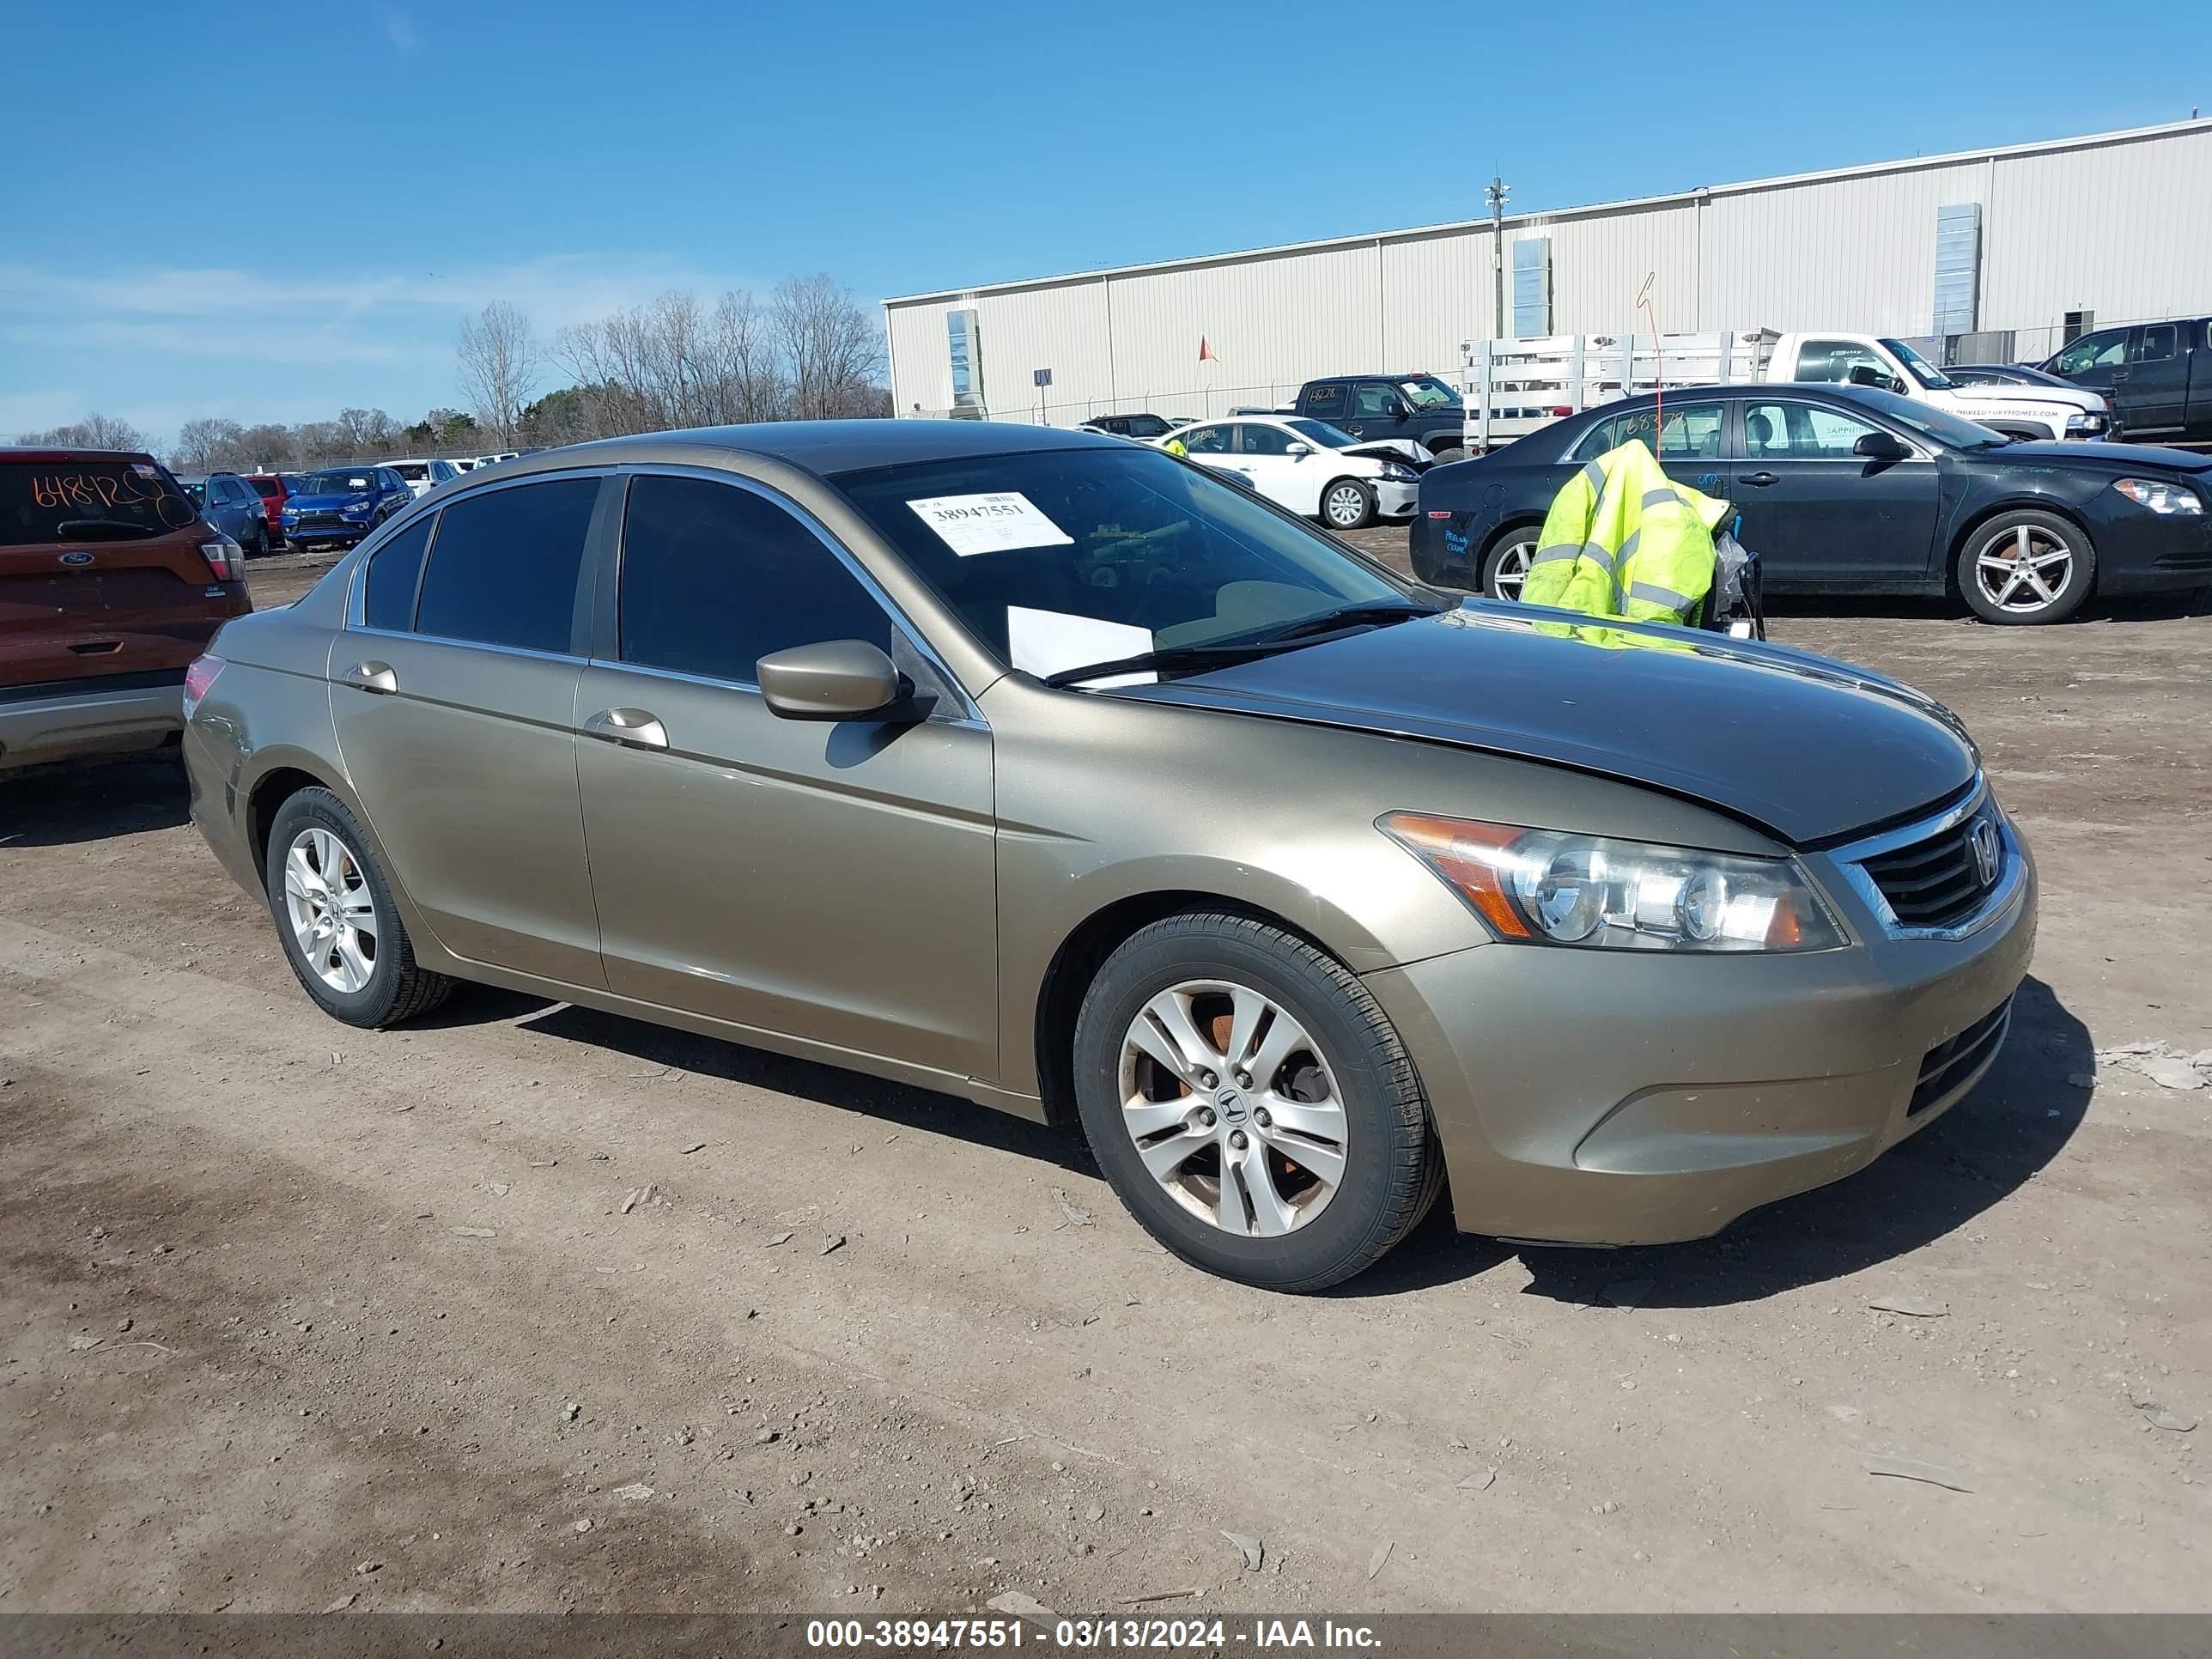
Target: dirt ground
pixel 294 1316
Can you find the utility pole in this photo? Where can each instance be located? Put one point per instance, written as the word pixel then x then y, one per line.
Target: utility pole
pixel 1495 193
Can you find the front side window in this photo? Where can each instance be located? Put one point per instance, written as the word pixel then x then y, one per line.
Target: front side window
pixel 388 585
pixel 1263 441
pixel 1375 400
pixel 2094 351
pixel 1128 538
pixel 715 577
pixel 503 571
pixel 1834 360
pixel 1801 432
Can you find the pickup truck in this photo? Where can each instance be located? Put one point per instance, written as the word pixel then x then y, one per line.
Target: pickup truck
pixel 2149 371
pixel 1890 365
pixel 1404 409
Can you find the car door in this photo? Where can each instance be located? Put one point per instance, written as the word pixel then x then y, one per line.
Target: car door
pixel 1263 455
pixel 2099 361
pixel 1821 516
pixel 829 881
pixel 453 693
pixel 2153 384
pixel 1377 411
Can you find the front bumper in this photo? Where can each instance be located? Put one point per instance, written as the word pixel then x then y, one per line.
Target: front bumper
pixel 1617 1097
pixel 347 533
pixel 89 718
pixel 1394 500
pixel 2139 551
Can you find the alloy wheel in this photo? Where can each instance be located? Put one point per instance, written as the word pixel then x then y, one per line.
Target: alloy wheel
pixel 332 911
pixel 1232 1108
pixel 2024 569
pixel 1511 570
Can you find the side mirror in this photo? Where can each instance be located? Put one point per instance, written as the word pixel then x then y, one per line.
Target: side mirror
pixel 1868 374
pixel 1298 451
pixel 1881 446
pixel 836 680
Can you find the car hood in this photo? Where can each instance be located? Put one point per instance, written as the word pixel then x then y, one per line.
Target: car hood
pixel 1807 748
pixel 2119 458
pixel 1966 398
pixel 328 503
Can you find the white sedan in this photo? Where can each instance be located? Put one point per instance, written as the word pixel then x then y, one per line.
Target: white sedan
pixel 1308 466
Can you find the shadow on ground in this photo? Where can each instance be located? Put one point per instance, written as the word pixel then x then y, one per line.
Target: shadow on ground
pixel 86 801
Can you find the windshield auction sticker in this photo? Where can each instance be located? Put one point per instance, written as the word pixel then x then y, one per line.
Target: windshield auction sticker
pixel 997 522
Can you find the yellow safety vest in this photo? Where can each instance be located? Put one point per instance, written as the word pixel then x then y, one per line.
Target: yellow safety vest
pixel 1623 539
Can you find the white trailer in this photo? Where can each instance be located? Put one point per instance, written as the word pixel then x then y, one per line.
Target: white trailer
pixel 1514 386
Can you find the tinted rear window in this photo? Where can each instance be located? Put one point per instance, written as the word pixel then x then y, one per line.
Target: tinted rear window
pixel 45 502
pixel 410 470
pixel 504 569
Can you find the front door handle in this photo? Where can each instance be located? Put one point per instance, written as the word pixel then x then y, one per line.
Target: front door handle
pixel 372 677
pixel 634 728
pixel 1759 480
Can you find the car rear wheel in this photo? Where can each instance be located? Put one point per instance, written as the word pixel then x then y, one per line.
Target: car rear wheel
pixel 335 917
pixel 1505 567
pixel 1347 504
pixel 1250 1103
pixel 2027 567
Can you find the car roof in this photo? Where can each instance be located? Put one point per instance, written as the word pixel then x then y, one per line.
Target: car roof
pixel 49 452
pixel 824 448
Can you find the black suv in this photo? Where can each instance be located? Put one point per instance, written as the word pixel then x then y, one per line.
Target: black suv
pixel 1142 426
pixel 1376 407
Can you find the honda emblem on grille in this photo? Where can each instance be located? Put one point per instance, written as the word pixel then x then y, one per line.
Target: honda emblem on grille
pixel 1989 851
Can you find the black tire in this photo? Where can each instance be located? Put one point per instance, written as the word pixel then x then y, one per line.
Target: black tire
pixel 1392 1168
pixel 1449 454
pixel 1505 563
pixel 1337 499
pixel 398 987
pixel 1985 588
pixel 259 547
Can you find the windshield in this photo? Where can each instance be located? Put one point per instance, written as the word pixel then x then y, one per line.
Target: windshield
pixel 1430 392
pixel 1090 556
pixel 335 484
pixel 1951 431
pixel 1922 370
pixel 1322 432
pixel 46 502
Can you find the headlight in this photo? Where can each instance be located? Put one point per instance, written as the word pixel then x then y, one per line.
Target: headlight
pixel 290 513
pixel 2082 420
pixel 1546 888
pixel 1398 474
pixel 355 509
pixel 2158 496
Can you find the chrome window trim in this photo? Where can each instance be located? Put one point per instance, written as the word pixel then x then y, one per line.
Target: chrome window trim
pixel 473 645
pixel 970 712
pixel 1849 863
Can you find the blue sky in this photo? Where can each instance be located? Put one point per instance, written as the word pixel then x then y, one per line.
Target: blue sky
pixel 268 212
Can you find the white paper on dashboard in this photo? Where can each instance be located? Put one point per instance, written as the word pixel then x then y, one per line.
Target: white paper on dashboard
pixel 999 522
pixel 1044 642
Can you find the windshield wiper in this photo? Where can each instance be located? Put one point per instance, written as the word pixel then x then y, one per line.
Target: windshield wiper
pixel 1347 616
pixel 117 528
pixel 1172 656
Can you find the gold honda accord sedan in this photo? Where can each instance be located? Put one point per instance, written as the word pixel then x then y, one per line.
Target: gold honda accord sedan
pixel 1055 772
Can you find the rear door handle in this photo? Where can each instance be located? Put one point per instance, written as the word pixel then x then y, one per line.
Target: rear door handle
pixel 1759 480
pixel 634 728
pixel 372 677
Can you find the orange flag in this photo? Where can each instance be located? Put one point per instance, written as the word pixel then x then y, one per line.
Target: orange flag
pixel 1205 351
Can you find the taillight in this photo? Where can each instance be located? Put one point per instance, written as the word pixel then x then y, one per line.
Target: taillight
pixel 200 679
pixel 226 558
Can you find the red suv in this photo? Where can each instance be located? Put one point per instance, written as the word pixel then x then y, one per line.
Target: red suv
pixel 110 584
pixel 273 489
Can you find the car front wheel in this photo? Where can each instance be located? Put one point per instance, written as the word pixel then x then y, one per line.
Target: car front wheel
pixel 335 917
pixel 2027 567
pixel 1347 504
pixel 1250 1103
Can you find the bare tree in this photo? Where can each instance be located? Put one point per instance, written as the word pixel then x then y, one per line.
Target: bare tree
pixel 210 443
pixel 831 350
pixel 368 432
pixel 499 361
pixel 271 446
pixel 95 431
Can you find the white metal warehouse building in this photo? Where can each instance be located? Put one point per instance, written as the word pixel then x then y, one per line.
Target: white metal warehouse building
pixel 2018 247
